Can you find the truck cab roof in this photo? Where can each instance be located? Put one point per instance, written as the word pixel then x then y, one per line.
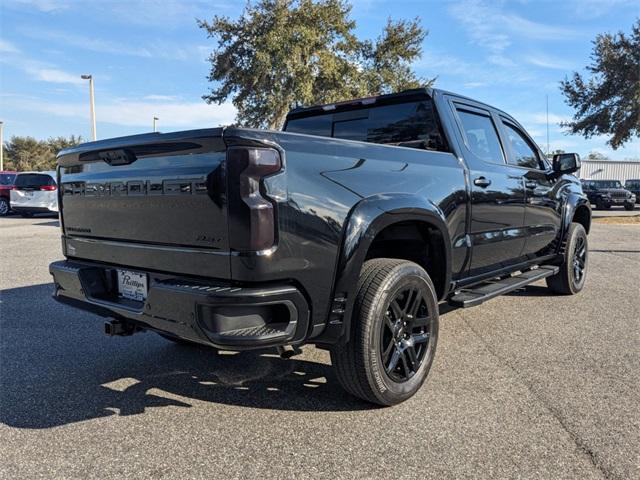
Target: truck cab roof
pixel 384 99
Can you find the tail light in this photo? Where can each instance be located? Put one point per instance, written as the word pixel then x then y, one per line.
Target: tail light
pixel 48 188
pixel 251 211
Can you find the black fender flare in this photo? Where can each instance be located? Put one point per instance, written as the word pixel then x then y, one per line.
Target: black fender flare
pixel 365 221
pixel 573 202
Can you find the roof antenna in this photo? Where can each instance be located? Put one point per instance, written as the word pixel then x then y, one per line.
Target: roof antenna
pixel 548 125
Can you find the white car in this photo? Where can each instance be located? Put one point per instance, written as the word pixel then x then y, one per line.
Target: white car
pixel 35 192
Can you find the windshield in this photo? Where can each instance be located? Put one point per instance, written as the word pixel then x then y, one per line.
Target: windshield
pixel 7 178
pixel 608 184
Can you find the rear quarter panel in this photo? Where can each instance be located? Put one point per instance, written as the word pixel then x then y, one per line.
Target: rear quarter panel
pixel 325 180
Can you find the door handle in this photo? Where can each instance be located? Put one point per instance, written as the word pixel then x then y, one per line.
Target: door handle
pixel 482 182
pixel 530 184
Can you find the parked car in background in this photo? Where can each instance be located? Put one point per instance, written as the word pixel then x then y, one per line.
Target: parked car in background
pixel 6 183
pixel 607 193
pixel 633 185
pixel 35 192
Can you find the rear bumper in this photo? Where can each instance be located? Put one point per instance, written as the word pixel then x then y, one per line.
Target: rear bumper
pixel 23 209
pixel 42 203
pixel 214 313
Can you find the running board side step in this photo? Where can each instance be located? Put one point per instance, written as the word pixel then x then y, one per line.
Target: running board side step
pixel 472 296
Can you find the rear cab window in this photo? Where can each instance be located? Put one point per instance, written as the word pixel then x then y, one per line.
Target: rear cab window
pixel 407 124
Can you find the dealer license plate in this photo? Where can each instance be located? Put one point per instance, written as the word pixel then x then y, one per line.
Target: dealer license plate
pixel 132 285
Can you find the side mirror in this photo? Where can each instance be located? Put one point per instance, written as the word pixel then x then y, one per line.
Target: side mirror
pixel 566 163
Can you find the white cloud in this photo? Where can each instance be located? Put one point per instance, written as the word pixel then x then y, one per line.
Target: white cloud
pixel 475 17
pixel 41 71
pixel 154 49
pixel 7 47
pixel 546 61
pixel 42 5
pixel 598 8
pixel 138 113
pixel 160 98
pixel 493 29
pixel 194 114
pixel 523 27
pixel 540 118
pixel 53 75
pixel 475 84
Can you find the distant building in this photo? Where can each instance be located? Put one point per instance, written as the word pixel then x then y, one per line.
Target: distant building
pixel 610 170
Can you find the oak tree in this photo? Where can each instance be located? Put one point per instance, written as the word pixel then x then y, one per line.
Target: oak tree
pixel 281 53
pixel 608 102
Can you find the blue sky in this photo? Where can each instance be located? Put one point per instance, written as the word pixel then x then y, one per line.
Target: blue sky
pixel 149 58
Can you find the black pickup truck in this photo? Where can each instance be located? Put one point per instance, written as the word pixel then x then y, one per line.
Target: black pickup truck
pixel 346 230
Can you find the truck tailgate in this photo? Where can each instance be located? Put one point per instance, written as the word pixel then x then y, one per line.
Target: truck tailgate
pixel 148 196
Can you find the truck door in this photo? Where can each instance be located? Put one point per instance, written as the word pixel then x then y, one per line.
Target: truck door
pixel 543 213
pixel 497 192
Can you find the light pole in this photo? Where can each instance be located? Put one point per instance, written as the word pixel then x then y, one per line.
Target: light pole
pixel 1 146
pixel 92 105
pixel 155 119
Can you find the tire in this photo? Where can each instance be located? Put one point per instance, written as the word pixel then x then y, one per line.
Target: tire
pixel 629 207
pixel 390 349
pixel 573 271
pixel 607 207
pixel 599 205
pixel 4 207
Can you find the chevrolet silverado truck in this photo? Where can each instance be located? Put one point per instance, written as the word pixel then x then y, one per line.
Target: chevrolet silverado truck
pixel 345 230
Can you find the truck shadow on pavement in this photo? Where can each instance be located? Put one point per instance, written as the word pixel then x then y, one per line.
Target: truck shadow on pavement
pixel 57 368
pixel 52 223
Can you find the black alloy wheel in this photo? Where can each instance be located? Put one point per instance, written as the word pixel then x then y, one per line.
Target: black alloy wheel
pixel 579 259
pixel 405 334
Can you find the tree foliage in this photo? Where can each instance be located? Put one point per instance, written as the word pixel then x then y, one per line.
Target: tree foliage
pixel 608 103
pixel 279 53
pixel 27 153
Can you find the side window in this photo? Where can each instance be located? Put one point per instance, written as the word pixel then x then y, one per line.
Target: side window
pixel 481 135
pixel 523 153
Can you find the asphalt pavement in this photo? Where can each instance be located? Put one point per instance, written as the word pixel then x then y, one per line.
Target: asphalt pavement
pixel 529 385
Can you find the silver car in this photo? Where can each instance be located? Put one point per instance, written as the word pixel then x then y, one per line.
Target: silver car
pixel 35 192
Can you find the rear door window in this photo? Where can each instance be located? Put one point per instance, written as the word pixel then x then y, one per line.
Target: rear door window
pixel 481 135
